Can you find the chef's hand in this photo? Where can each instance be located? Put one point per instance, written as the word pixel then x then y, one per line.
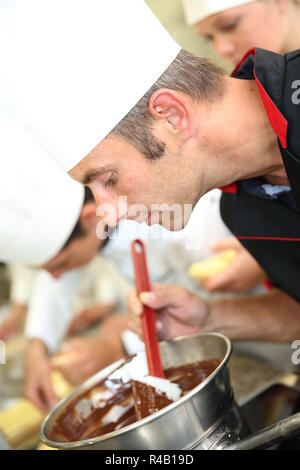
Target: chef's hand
pixel 178 311
pixel 83 357
pixel 243 274
pixel 37 385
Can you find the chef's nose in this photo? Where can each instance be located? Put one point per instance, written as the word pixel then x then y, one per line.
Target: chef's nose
pixel 224 47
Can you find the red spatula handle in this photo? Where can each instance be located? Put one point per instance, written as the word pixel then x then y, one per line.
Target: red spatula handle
pixel 148 315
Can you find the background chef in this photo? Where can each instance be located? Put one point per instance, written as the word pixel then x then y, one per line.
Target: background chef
pixel 232 27
pixel 39 205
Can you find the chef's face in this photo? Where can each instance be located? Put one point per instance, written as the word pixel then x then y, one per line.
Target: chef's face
pixel 79 250
pixel 127 185
pixel 236 30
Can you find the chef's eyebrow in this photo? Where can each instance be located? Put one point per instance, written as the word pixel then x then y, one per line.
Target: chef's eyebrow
pixel 91 174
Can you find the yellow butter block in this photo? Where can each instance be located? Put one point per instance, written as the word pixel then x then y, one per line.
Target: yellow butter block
pixel 43 446
pixel 20 423
pixel 61 386
pixel 210 267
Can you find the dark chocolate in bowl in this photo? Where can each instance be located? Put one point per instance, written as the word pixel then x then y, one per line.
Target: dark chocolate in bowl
pixel 86 417
pixel 180 425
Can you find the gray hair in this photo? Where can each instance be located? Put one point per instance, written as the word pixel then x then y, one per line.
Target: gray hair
pixel 194 76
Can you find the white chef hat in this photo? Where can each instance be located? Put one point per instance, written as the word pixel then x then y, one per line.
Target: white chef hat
pixel 72 69
pixel 197 10
pixel 39 203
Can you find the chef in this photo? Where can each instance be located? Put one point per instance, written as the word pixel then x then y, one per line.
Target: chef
pixel 40 205
pixel 152 123
pixel 232 27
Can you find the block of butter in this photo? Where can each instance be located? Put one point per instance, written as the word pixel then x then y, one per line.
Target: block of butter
pixel 20 423
pixel 210 267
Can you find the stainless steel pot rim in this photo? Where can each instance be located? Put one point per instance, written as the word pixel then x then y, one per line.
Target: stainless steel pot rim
pixel 149 419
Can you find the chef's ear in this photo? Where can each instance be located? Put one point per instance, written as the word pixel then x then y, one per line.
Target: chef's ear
pixel 173 108
pixel 88 216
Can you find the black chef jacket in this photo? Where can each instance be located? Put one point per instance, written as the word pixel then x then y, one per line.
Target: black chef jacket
pixel 270 228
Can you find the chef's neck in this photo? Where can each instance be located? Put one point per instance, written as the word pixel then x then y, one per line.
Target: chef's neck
pixel 245 144
pixel 291 41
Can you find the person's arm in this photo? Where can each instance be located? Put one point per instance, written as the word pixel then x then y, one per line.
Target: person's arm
pixel 273 316
pixel 83 357
pixel 37 386
pixel 89 316
pixel 49 315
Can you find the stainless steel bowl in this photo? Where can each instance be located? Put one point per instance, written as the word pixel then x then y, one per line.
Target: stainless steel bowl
pixel 205 417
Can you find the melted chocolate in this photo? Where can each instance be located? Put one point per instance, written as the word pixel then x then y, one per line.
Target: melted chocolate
pixel 109 405
pixel 147 400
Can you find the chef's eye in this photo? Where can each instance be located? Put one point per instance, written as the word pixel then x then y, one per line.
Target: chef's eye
pixel 208 37
pixel 231 25
pixel 111 181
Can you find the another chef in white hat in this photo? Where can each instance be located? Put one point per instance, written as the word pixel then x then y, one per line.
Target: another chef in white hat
pixel 40 205
pixel 218 21
pixel 197 10
pixel 234 26
pixel 108 93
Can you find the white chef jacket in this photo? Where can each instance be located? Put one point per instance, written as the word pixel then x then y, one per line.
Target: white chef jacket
pixel 22 280
pixel 51 307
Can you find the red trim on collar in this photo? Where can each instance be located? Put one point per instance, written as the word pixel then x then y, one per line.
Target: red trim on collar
pixel 231 188
pixel 238 66
pixel 277 120
pixel 268 285
pixel 281 239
